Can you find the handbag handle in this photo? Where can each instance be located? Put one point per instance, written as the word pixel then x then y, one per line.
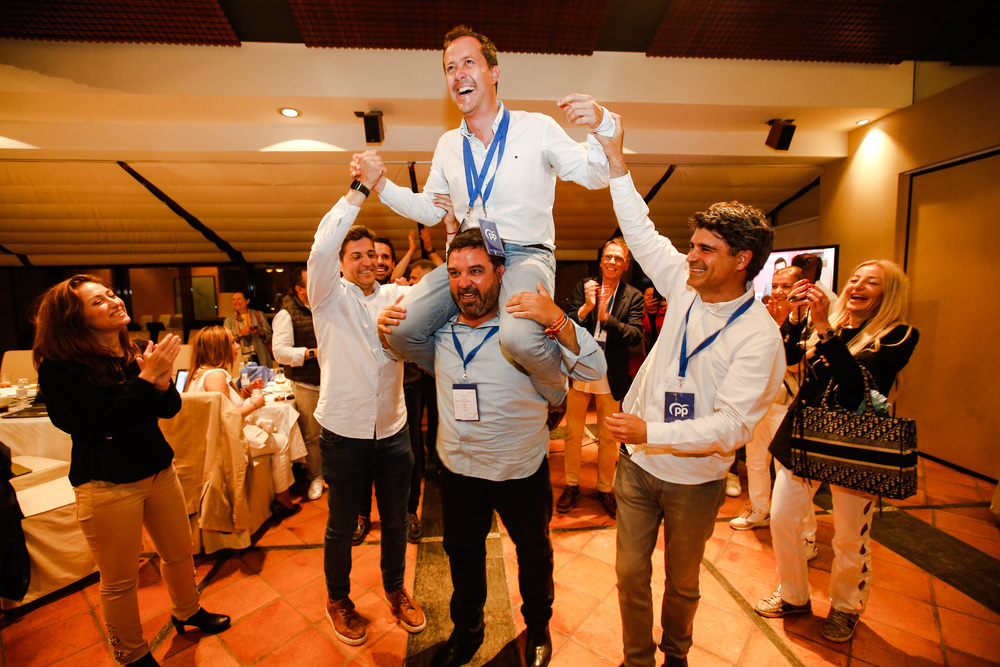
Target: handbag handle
pixel 866 403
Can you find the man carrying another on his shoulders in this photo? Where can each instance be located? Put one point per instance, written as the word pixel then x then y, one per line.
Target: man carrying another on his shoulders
pixel 493 442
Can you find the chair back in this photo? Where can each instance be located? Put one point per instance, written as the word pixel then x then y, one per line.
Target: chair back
pixel 211 456
pixel 18 364
pixel 183 360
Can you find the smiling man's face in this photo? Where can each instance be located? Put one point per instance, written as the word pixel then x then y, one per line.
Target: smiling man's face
pixel 471 81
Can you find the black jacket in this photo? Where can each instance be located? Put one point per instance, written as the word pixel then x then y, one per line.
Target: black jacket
pixel 624 329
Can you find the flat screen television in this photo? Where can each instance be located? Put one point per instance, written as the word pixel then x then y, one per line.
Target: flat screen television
pixel 827 254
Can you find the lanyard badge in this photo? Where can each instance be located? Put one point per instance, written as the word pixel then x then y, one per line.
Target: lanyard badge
pixel 476 182
pixel 465 395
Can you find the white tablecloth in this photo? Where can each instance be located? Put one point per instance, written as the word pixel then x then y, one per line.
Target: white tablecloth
pixel 37 436
pixel 285 418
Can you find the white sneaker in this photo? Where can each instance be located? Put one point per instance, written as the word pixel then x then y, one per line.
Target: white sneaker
pixel 315 489
pixel 733 488
pixel 750 519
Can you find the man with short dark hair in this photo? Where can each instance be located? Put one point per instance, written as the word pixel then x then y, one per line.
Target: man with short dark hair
pixel 361 411
pixel 710 378
pixel 295 348
pixel 493 441
pixel 385 255
pixel 499 169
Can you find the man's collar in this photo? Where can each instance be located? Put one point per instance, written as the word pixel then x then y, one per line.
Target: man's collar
pixel 724 307
pixel 494 322
pixel 375 287
pixel 464 127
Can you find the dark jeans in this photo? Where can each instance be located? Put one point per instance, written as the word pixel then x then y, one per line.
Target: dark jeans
pixel 348 464
pixel 525 507
pixel 412 396
pixel 428 399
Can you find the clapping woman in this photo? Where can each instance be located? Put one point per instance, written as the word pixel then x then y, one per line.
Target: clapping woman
pixel 108 393
pixel 865 329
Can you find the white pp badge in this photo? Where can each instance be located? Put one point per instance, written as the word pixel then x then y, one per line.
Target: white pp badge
pixel 465 398
pixel 678 406
pixel 491 237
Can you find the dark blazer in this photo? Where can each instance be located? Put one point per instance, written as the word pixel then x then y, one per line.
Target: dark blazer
pixel 624 329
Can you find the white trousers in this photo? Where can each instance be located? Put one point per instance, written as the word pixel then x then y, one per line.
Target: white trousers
pixel 850 577
pixel 759 459
pixel 281 459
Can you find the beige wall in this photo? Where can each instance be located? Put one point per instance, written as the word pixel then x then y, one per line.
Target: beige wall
pixel 859 195
pixel 864 207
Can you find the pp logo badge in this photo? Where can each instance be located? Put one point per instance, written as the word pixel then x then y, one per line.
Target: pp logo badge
pixel 678 406
pixel 678 410
pixel 491 237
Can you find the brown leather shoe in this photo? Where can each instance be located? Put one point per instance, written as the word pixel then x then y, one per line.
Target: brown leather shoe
pixel 608 502
pixel 405 609
pixel 568 499
pixel 346 623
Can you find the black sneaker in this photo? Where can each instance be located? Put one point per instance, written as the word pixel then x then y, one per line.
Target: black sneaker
pixel 568 499
pixel 361 532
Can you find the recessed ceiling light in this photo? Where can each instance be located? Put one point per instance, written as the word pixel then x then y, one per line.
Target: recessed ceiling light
pixel 289 112
pixel 863 121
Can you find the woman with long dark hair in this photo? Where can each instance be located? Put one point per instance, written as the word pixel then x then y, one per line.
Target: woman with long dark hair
pixel 107 392
pixel 865 331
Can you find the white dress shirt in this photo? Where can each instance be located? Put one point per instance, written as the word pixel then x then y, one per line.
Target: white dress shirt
pixel 511 438
pixel 537 150
pixel 362 390
pixel 734 379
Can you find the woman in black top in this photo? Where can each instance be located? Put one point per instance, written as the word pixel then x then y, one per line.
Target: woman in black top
pixel 107 393
pixel 865 328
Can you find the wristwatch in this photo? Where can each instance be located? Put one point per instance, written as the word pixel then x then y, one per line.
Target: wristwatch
pixel 827 336
pixel 310 353
pixel 360 187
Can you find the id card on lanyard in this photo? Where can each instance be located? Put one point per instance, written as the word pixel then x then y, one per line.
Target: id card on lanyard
pixel 679 405
pixel 465 394
pixel 480 188
pixel 600 333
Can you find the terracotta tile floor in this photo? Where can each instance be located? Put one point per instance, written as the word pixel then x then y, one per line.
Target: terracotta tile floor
pixel 275 594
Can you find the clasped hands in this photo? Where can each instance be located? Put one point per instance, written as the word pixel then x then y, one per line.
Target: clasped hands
pixel 156 363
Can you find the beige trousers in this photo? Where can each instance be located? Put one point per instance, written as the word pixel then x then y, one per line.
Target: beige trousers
pixel 607 449
pixel 111 517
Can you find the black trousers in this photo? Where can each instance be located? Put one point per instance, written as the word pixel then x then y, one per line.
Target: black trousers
pixel 525 507
pixel 412 394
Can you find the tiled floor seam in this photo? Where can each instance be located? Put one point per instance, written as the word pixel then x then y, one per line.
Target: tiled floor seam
pixel 754 617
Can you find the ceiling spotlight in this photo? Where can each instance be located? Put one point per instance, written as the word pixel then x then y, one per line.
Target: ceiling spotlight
pixel 780 136
pixel 863 121
pixel 374 128
pixel 289 112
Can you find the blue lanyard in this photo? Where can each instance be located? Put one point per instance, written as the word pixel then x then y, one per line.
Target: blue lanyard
pixel 685 357
pixel 473 180
pixel 466 360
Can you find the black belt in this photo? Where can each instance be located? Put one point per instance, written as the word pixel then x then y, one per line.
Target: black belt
pixel 538 246
pixel 624 450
